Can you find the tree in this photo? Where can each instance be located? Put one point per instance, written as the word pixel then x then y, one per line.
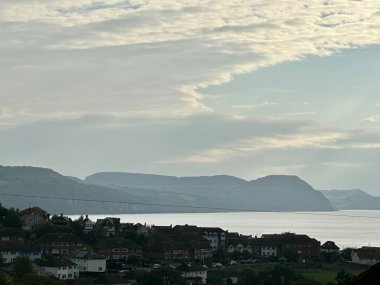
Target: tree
pixel 346 253
pixel 248 276
pixel 22 267
pixel 343 277
pixel 4 280
pixel 162 276
pixel 9 218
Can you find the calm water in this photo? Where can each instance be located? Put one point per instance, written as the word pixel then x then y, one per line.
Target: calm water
pixel 346 228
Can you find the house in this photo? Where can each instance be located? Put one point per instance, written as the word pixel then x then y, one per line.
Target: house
pixel 216 237
pixel 60 220
pixel 175 250
pixel 180 251
pixel 193 273
pixel 329 247
pixel 33 217
pixel 200 250
pixel 62 269
pixel 169 250
pixel 110 226
pixel 366 255
pixel 88 261
pixel 11 234
pixel 169 232
pixel 142 230
pixel 279 244
pixel 117 249
pixel 265 247
pixel 60 243
pixel 86 224
pixel 239 243
pixel 10 251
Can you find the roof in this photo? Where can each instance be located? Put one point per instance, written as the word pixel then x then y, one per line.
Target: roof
pixel 212 230
pixel 18 246
pixel 11 232
pixel 329 245
pixel 83 220
pixel 368 253
pixel 35 210
pixel 60 220
pixel 60 237
pixel 289 238
pixel 174 245
pixel 55 262
pixel 117 243
pixel 85 254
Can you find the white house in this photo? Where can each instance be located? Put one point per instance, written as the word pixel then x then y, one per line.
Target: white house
pixel 11 250
pixel 216 237
pixel 194 274
pixel 87 224
pixel 89 262
pixel 366 255
pixel 62 269
pixel 33 217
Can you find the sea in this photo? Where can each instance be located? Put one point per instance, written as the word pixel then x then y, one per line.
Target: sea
pixel 349 228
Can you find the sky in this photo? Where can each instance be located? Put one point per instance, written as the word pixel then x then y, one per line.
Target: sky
pixel 245 88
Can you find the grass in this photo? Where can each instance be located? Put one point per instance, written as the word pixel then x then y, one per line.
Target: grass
pixel 325 274
pixel 328 273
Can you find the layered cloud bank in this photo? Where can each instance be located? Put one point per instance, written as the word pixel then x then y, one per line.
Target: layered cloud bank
pixel 138 71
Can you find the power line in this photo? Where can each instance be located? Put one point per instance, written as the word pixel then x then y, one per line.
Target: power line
pixel 182 206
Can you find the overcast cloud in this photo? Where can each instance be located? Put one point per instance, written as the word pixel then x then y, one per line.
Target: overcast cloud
pixel 143 86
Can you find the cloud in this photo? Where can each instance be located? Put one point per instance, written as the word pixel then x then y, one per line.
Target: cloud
pixel 250 146
pixel 130 76
pixel 373 119
pixel 161 53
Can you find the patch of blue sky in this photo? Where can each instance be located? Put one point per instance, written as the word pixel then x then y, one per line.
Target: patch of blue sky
pixel 125 4
pixel 342 88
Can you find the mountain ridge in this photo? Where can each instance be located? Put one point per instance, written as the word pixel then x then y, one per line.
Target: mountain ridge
pixel 352 199
pixel 144 193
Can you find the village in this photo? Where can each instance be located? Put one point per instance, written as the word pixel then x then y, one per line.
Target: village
pixel 108 251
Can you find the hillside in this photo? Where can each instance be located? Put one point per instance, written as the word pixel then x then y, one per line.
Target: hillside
pixel 44 182
pixel 271 193
pixel 145 193
pixel 352 200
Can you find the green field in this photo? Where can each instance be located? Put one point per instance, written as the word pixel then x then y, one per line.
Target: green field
pixel 328 272
pixel 325 274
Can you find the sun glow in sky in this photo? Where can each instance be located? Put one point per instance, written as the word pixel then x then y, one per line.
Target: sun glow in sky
pixel 247 88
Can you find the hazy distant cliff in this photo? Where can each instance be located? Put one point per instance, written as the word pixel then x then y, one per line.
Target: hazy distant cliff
pixel 271 193
pixel 141 191
pixel 352 200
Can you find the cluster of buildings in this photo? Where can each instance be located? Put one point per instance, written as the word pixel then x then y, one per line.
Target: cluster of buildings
pixel 66 256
